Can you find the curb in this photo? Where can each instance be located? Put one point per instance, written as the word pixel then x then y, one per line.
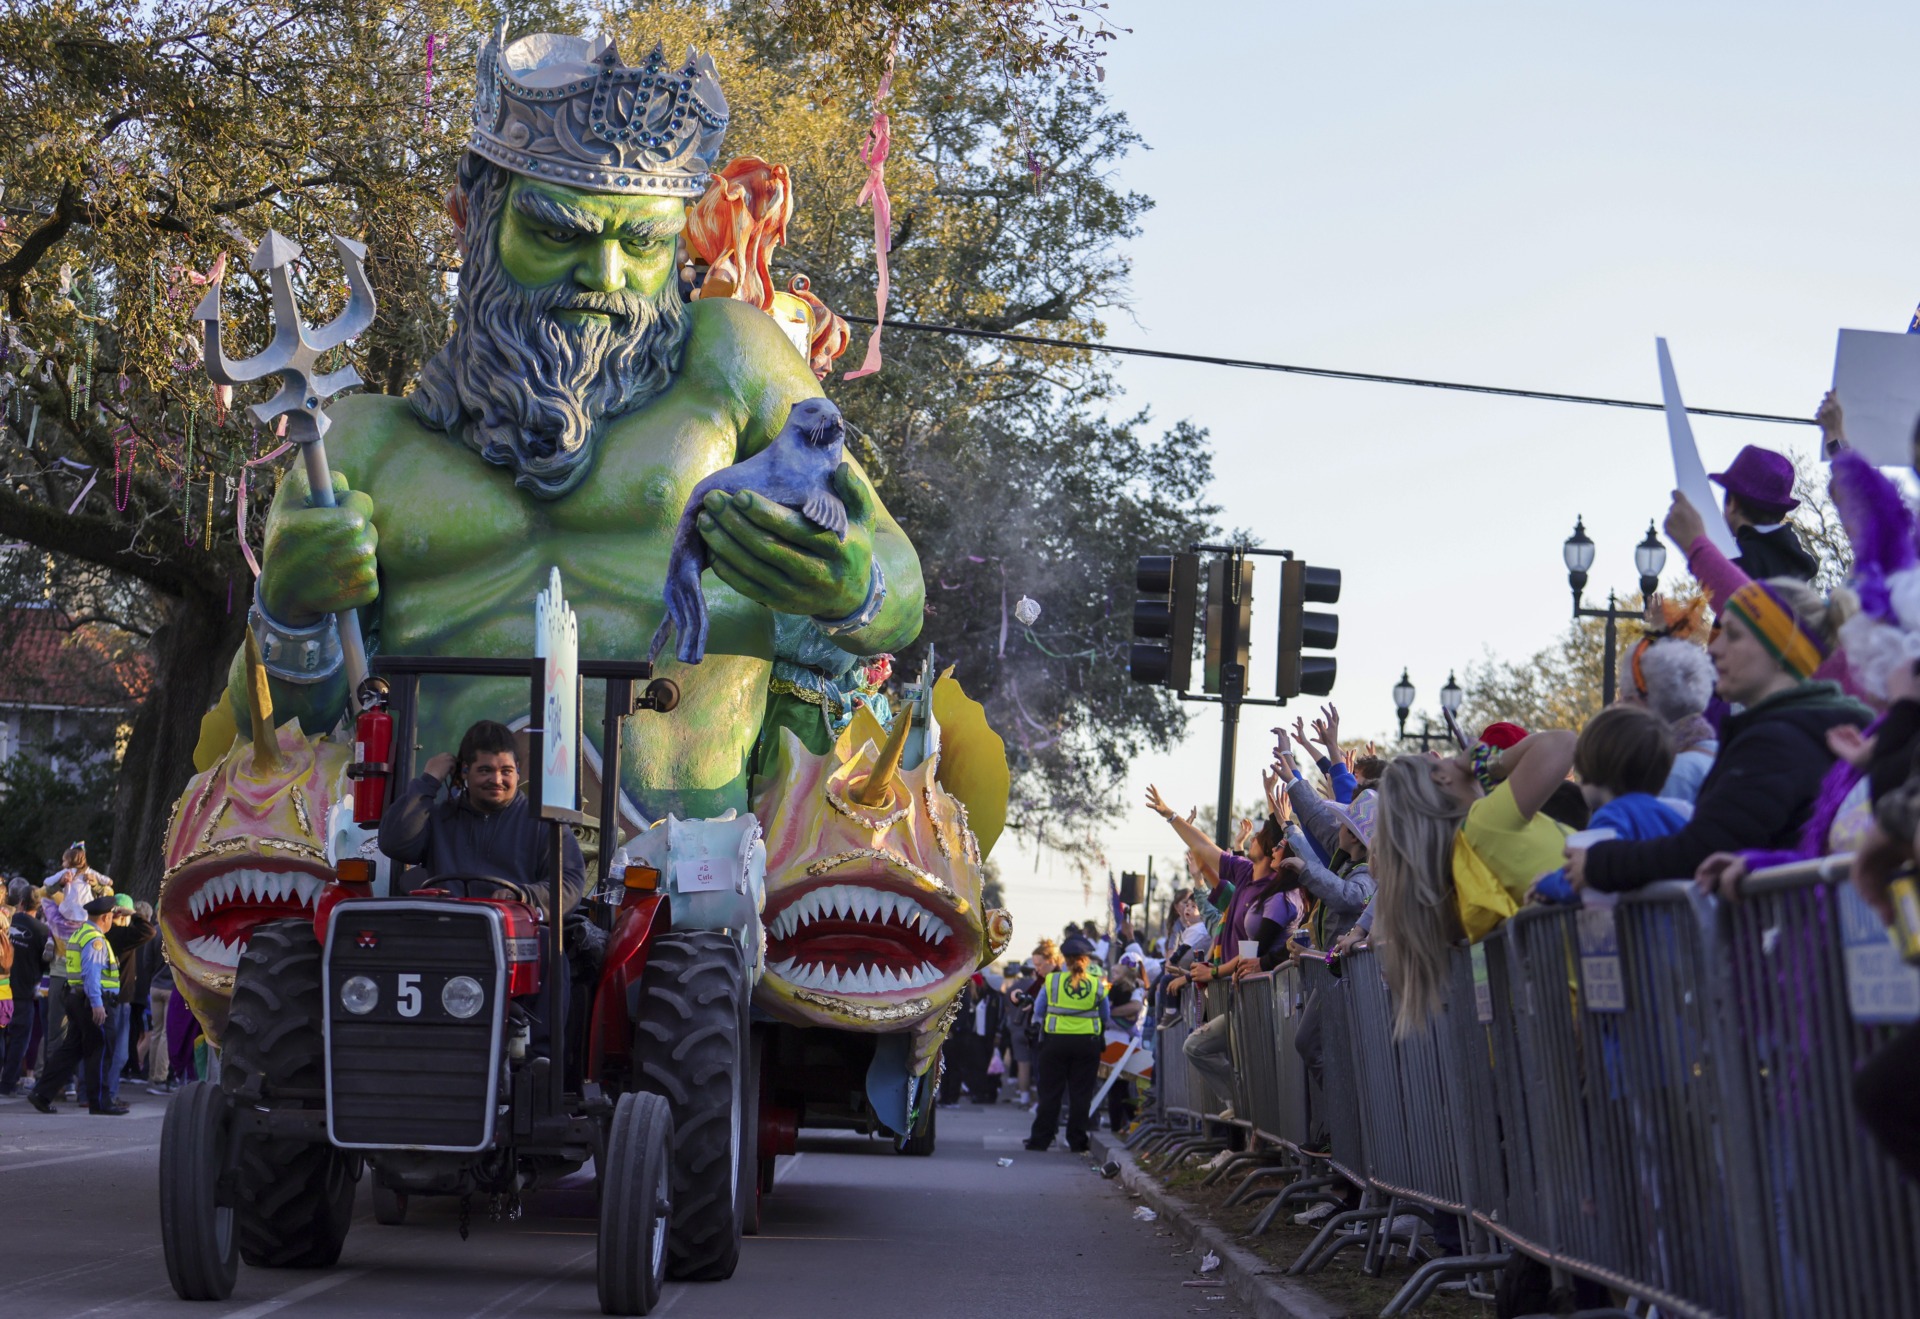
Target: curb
pixel 1251 1280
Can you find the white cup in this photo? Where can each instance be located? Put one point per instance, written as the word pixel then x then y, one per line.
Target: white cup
pixel 1250 948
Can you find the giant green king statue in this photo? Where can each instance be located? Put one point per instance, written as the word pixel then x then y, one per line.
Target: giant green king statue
pixel 576 405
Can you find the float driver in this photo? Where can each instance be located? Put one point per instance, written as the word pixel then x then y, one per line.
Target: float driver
pixel 483 827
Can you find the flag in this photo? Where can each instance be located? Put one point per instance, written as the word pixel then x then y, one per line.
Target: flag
pixel 1913 326
pixel 1119 909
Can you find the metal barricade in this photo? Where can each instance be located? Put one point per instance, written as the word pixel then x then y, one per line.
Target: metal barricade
pixel 1270 1081
pixel 1633 1157
pixel 1407 1096
pixel 1340 1095
pixel 1172 1077
pixel 1841 1236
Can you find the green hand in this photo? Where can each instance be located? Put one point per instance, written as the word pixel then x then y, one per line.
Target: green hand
pixel 776 556
pixel 321 560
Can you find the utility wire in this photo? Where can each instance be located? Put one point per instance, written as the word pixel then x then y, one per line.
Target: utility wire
pixel 1326 373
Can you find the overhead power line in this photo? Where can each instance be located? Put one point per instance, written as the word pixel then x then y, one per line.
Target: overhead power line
pixel 1326 373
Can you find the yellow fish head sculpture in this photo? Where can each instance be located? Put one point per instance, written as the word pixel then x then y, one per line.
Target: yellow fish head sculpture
pixel 873 914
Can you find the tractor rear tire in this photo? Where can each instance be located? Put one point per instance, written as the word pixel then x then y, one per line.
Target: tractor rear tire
pixel 690 1046
pixel 636 1204
pixel 293 1198
pixel 749 1189
pixel 389 1205
pixel 196 1231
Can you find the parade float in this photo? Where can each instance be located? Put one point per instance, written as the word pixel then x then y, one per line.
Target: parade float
pixel 788 896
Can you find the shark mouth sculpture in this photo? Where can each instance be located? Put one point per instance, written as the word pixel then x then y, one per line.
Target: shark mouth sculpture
pixel 245 845
pixel 873 885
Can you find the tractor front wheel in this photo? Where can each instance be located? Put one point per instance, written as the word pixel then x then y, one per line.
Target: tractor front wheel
pixel 636 1205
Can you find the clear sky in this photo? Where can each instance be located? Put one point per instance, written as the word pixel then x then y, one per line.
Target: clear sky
pixel 1519 194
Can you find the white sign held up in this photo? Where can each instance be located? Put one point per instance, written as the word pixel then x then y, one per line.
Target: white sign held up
pixel 1689 473
pixel 1876 377
pixel 556 639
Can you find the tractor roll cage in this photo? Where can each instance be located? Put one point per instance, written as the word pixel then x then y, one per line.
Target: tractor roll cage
pixel 403 674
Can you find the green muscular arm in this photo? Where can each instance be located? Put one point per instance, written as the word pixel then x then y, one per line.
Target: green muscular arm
pixel 315 561
pixel 773 554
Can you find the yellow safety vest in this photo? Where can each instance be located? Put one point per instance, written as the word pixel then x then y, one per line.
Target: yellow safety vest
pixel 109 974
pixel 1070 1011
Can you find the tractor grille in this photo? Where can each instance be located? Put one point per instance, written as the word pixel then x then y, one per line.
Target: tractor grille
pixel 408 1073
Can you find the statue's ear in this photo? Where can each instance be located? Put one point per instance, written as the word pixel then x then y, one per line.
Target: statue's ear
pixel 457 208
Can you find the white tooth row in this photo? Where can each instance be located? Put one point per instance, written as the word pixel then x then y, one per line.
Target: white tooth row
pixel 858 903
pixel 863 980
pixel 209 948
pixel 253 886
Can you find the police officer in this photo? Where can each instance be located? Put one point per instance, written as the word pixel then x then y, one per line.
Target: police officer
pixel 1072 1010
pixel 93 989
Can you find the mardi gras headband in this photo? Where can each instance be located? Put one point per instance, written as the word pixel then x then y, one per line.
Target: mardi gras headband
pixel 1778 628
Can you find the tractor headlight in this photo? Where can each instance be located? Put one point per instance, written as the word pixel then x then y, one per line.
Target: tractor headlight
pixel 359 995
pixel 462 996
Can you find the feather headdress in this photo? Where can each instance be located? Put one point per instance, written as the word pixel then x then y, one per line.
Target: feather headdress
pixel 1886 571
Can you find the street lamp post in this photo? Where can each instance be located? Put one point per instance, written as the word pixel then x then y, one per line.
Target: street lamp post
pixel 1649 557
pixel 1450 699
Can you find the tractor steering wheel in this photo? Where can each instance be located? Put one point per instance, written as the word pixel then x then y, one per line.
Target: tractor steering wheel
pixel 446 884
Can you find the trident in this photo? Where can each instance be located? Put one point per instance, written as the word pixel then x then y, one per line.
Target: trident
pixel 292 356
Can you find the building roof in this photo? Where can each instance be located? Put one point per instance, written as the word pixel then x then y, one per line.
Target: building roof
pixel 46 660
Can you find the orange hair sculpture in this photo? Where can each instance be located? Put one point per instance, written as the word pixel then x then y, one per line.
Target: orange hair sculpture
pixel 733 230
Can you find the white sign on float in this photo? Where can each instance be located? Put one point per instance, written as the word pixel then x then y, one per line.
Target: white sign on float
pixel 1876 378
pixel 1689 473
pixel 556 639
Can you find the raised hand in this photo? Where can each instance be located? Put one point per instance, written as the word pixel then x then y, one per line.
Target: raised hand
pixel 1158 804
pixel 1684 525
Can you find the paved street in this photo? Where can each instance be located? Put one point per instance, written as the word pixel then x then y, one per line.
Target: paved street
pixel 853 1230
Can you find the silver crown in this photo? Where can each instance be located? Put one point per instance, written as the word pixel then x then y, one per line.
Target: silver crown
pixel 568 109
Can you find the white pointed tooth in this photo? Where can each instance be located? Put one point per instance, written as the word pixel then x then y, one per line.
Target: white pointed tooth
pixel 286 887
pixel 803 911
pixel 861 904
pixel 194 905
pixel 837 901
pixel 928 973
pixel 892 907
pixel 817 976
pixel 890 980
pixel 249 883
pixel 857 981
pixel 803 976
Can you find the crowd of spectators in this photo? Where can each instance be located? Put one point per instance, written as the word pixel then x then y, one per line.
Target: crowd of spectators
pixel 1785 729
pixel 119 1022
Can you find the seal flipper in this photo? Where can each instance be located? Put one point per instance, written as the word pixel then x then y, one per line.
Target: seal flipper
pixel 825 509
pixel 686 606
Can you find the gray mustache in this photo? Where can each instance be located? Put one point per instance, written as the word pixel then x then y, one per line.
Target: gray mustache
pixel 630 305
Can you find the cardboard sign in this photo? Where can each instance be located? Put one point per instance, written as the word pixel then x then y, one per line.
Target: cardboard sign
pixel 1689 473
pixel 1876 377
pixel 556 639
pixel 1880 987
pixel 1602 987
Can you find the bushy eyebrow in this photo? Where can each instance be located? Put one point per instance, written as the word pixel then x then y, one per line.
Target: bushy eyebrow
pixel 556 214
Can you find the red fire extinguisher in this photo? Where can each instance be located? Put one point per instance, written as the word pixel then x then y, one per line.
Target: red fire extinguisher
pixel 372 749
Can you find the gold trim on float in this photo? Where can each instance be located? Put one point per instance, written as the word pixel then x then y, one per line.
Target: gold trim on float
pixel 228 846
pixel 913 1007
pixel 300 809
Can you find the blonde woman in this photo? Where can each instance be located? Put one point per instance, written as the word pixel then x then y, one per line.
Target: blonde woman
pixel 1480 809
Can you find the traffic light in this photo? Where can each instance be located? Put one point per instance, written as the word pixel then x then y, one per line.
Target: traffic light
pixel 1307 629
pixel 1163 617
pixel 1229 618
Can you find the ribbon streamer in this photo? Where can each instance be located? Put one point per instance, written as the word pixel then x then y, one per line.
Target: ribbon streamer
pixel 74 506
pixel 873 154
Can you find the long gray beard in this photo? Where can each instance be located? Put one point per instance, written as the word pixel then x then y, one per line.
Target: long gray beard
pixel 524 388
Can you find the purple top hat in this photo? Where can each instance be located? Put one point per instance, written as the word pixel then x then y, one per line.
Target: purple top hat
pixel 1759 476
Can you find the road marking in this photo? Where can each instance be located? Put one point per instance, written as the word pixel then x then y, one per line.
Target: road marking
pixel 792 1163
pixel 297 1295
pixel 73 1158
pixel 527 1293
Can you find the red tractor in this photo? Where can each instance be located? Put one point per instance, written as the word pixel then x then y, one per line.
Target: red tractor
pixel 437 1039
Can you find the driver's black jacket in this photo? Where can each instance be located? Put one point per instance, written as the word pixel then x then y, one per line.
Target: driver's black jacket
pixel 451 837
